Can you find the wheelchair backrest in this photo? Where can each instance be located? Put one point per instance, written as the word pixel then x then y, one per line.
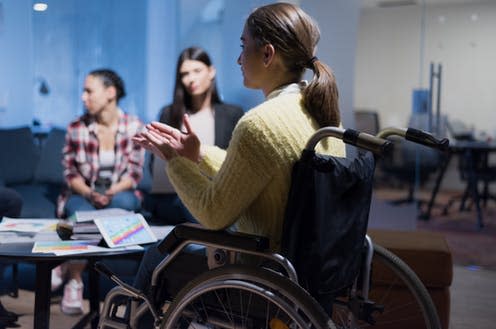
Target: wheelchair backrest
pixel 326 220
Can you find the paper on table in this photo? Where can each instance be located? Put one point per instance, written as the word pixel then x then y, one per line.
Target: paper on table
pixel 161 231
pixel 13 237
pixel 97 249
pixel 89 215
pixel 20 237
pixel 33 225
pixel 61 248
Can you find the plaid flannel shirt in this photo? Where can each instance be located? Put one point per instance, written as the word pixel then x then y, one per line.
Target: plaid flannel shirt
pixel 81 157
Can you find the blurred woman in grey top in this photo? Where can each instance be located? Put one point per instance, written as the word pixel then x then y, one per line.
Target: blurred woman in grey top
pixel 195 93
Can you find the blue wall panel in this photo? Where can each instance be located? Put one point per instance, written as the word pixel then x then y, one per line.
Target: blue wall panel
pixel 59 47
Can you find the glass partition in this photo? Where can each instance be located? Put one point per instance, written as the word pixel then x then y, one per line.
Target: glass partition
pixel 426 64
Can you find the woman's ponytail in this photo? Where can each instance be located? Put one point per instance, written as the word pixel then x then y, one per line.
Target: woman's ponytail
pixel 321 97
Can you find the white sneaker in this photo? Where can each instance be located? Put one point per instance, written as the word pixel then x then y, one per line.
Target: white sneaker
pixel 72 302
pixel 57 278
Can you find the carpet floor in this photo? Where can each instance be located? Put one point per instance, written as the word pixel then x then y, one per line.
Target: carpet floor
pixel 470 246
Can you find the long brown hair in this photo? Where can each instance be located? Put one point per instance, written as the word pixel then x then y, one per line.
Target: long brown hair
pixel 294 34
pixel 182 100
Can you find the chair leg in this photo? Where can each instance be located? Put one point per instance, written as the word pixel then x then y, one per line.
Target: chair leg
pixel 476 199
pixel 485 194
pixel 411 191
pixel 465 196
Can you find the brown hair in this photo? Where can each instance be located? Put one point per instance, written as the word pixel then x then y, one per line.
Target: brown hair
pixel 294 34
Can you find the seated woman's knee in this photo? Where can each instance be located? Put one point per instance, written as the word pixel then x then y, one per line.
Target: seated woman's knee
pixel 125 200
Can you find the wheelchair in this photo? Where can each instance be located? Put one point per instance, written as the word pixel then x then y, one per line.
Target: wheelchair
pixel 236 293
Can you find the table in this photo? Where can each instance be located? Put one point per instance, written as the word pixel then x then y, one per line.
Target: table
pixel 44 263
pixel 475 154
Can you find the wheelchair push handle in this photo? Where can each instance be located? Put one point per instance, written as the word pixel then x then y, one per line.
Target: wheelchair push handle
pixel 424 138
pixel 417 136
pixel 353 137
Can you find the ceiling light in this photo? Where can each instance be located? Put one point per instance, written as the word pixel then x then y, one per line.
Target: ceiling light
pixel 40 6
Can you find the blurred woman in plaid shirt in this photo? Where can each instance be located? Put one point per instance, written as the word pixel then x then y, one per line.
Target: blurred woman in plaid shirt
pixel 102 166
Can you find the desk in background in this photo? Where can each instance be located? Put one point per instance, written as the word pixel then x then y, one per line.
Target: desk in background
pixel 474 156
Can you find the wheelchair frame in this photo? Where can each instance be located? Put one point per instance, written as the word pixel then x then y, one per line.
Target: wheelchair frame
pixel 280 291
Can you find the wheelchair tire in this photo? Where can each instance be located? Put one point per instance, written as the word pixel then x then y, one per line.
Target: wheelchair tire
pixel 406 301
pixel 238 296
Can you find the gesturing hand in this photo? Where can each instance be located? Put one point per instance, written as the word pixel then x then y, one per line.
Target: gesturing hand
pixel 167 142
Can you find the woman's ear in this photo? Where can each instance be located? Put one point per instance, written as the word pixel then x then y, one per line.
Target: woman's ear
pixel 211 72
pixel 268 54
pixel 111 93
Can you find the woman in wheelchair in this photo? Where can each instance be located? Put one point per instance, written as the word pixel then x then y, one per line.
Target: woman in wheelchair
pixel 246 186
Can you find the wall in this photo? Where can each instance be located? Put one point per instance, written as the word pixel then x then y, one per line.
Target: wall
pixel 59 47
pixel 16 63
pixel 390 62
pixel 338 22
pixel 141 40
pixel 161 53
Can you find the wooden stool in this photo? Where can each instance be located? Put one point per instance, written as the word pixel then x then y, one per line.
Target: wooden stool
pixel 428 255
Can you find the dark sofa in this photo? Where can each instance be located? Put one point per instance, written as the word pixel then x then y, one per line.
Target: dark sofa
pixel 32 166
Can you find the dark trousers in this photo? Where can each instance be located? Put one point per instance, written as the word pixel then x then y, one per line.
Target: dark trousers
pixel 167 209
pixel 10 206
pixel 182 270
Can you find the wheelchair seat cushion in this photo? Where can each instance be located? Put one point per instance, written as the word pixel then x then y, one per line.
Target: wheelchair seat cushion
pixel 326 220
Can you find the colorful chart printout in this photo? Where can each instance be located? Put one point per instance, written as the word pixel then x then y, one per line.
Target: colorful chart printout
pixel 27 224
pixel 65 247
pixel 125 230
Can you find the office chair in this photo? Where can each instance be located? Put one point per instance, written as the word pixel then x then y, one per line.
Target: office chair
pixel 367 121
pixel 411 163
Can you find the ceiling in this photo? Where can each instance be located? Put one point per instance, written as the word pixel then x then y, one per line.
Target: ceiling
pixel 398 3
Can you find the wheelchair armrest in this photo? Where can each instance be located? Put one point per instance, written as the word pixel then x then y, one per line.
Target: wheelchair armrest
pixel 198 233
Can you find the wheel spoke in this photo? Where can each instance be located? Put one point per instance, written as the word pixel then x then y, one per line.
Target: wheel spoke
pixel 221 303
pixel 245 298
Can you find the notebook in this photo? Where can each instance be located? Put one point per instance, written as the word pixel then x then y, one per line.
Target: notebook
pixel 89 215
pixel 125 230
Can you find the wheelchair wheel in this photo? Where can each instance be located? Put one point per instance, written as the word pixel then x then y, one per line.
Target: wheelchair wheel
pixel 244 297
pixel 394 285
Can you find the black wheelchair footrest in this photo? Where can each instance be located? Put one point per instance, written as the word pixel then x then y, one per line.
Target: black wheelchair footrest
pixel 196 232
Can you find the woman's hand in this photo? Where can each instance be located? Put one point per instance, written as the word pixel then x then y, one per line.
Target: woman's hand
pixel 98 200
pixel 167 142
pixel 111 191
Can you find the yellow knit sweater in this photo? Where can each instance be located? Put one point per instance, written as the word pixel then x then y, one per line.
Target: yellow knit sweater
pixel 248 184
